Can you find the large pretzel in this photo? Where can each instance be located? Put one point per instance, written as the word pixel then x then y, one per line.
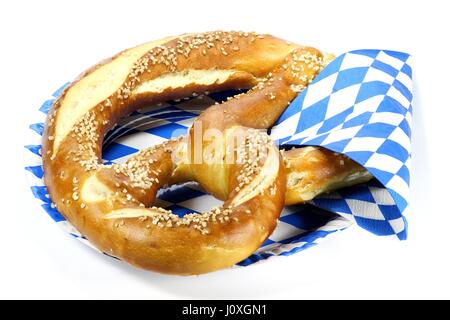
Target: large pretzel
pixel 111 205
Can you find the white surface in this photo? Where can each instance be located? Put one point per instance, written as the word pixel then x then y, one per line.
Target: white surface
pixel 44 44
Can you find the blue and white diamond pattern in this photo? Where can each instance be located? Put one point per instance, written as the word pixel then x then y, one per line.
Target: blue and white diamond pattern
pixel 299 227
pixel 360 105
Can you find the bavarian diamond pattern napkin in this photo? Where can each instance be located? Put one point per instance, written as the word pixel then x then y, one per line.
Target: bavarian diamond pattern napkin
pixel 363 96
pixel 360 105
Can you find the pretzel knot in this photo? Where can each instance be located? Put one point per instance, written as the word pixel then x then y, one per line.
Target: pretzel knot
pixel 224 150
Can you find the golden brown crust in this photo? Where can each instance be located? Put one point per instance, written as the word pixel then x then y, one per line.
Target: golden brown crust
pixel 110 204
pixel 313 170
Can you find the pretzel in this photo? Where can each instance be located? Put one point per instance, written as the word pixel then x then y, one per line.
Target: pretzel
pixel 112 205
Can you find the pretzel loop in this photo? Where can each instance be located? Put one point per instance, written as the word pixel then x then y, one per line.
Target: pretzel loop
pixel 112 205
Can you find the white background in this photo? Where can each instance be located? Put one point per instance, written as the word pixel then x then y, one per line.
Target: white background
pixel 44 44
